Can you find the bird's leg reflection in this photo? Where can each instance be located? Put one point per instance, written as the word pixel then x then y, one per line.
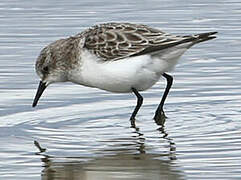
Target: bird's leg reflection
pixel 122 160
pixel 172 145
pixel 141 140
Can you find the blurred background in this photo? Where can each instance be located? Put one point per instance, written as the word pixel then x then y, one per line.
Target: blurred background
pixel 86 132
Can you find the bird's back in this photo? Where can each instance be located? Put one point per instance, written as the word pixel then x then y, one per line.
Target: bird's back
pixel 113 41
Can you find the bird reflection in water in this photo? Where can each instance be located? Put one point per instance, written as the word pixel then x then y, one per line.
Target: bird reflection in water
pixel 115 164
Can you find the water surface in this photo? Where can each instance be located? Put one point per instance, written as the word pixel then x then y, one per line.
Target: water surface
pixel 86 132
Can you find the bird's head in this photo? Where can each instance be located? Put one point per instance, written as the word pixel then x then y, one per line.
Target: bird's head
pixel 54 62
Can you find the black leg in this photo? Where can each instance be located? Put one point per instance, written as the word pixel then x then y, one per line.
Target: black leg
pixel 138 105
pixel 159 115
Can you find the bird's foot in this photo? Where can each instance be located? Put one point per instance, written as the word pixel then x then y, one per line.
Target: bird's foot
pixel 133 122
pixel 160 118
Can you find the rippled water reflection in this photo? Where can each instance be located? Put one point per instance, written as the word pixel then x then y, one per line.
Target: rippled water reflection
pixel 86 132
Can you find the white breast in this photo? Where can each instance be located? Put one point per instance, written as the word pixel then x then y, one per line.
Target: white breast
pixel 140 72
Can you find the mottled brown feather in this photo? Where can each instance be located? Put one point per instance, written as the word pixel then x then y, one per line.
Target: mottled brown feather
pixel 113 41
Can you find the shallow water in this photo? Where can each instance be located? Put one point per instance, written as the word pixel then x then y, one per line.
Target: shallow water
pixel 86 132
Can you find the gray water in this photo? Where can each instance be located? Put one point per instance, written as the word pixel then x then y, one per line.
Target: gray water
pixel 86 132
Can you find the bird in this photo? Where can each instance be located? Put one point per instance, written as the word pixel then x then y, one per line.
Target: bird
pixel 116 57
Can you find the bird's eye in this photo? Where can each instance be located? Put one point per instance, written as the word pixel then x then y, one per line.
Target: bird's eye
pixel 46 69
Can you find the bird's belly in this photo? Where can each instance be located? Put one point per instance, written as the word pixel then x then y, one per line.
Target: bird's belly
pixel 140 72
pixel 121 75
pixel 123 83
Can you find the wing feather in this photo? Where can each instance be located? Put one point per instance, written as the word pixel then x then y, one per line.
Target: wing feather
pixel 113 41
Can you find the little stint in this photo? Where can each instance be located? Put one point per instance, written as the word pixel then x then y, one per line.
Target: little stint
pixel 116 57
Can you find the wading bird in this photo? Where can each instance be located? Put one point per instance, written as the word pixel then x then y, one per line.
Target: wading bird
pixel 116 57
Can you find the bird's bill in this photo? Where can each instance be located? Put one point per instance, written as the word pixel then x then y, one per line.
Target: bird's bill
pixel 42 86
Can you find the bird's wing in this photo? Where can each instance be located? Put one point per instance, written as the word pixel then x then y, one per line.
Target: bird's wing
pixel 113 41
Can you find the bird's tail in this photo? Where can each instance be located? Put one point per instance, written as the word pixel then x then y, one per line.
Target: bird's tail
pixel 204 36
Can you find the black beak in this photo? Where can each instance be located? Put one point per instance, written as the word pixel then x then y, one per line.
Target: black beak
pixel 40 91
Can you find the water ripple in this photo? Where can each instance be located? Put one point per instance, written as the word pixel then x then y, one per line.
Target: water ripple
pixel 86 132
